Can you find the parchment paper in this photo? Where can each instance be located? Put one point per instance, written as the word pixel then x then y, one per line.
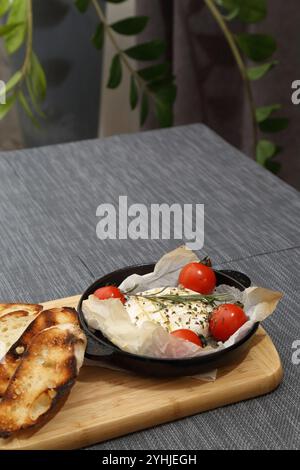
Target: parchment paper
pixel 150 339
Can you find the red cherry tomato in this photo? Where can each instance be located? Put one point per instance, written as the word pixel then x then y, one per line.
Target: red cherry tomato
pixel 198 277
pixel 188 335
pixel 109 292
pixel 226 320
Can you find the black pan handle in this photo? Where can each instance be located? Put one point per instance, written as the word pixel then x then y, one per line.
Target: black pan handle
pixel 233 278
pixel 96 349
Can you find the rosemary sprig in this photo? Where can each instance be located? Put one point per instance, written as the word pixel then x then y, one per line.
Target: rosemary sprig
pixel 179 299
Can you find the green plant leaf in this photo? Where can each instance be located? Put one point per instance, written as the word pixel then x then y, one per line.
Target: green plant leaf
pixel 17 15
pixel 6 107
pixel 265 149
pixel 115 74
pixel 24 103
pixel 272 166
pixel 8 28
pixel 4 6
pixel 144 109
pixel 82 5
pixel 154 71
pixel 249 11
pixel 165 91
pixel 134 96
pixel 130 26
pixel 164 113
pixel 98 37
pixel 34 101
pixel 165 94
pixel 264 112
pixel 256 46
pixel 274 124
pixel 12 82
pixel 148 51
pixel 37 79
pixel 255 73
pixel 231 15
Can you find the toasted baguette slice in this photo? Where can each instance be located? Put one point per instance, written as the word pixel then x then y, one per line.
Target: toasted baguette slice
pixel 14 319
pixel 45 319
pixel 30 308
pixel 46 373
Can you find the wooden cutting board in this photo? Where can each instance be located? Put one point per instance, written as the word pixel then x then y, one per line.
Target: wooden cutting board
pixel 106 403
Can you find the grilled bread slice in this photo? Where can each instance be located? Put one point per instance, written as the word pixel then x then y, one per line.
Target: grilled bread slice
pixel 14 319
pixel 30 308
pixel 45 319
pixel 46 373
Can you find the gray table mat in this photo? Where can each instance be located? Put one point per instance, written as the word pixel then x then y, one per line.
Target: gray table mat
pixel 49 249
pixel 268 422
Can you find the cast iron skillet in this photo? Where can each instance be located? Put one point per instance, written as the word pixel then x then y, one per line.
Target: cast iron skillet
pixel 101 349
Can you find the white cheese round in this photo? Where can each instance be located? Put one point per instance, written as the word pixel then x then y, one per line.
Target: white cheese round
pixel 171 316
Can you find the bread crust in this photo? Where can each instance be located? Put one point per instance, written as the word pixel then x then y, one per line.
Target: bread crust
pixel 32 309
pixel 14 319
pixel 45 374
pixel 45 319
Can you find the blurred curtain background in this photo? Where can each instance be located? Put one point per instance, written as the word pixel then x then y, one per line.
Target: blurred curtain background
pixel 209 86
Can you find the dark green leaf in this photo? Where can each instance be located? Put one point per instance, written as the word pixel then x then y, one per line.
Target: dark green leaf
pixel 274 167
pixel 154 72
pixel 265 150
pixel 130 26
pixel 6 107
pixel 249 11
pixel 82 5
pixel 255 73
pixel 17 15
pixel 4 6
pixel 24 103
pixel 274 124
pixel 165 92
pixel 134 97
pixel 252 11
pixel 165 95
pixel 115 74
pixel 8 28
pixel 98 38
pixel 264 112
pixel 231 14
pixel 34 101
pixel 144 109
pixel 256 46
pixel 37 79
pixel 148 51
pixel 164 113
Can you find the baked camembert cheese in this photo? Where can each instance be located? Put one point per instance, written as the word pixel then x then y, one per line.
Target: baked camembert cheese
pixel 193 315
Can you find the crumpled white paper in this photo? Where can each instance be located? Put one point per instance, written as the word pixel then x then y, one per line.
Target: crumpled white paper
pixel 149 339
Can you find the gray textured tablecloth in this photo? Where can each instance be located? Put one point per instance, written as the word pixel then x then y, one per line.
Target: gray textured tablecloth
pixel 49 249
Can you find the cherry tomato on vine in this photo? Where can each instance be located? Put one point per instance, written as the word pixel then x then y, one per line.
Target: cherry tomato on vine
pixel 198 277
pixel 109 292
pixel 188 335
pixel 226 320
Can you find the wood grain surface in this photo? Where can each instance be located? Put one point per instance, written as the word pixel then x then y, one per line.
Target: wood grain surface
pixel 105 403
